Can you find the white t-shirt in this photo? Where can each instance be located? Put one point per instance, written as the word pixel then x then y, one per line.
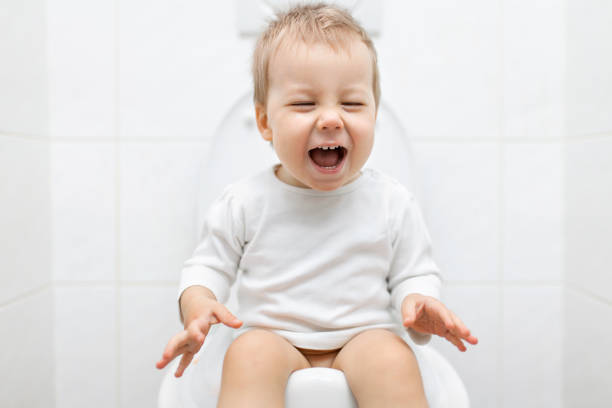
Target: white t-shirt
pixel 316 267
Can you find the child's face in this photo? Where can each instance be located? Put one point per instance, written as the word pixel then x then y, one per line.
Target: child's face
pixel 319 97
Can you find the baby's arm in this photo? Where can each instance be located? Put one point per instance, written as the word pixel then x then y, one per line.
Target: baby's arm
pixel 428 315
pixel 199 310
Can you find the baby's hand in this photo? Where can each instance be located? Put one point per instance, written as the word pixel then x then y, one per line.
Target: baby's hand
pixel 428 315
pixel 189 341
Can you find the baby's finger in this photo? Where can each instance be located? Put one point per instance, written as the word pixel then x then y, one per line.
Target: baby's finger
pixel 226 317
pixel 462 330
pixel 198 330
pixel 444 316
pixel 173 349
pixel 456 341
pixel 447 318
pixel 185 360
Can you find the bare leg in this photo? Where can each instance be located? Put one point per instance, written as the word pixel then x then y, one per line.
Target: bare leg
pixel 256 368
pixel 381 370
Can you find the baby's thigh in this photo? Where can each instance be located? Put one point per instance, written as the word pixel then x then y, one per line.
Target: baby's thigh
pixel 377 352
pixel 381 370
pixel 262 352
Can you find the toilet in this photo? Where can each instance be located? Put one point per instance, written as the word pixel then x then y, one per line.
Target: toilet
pixel 238 150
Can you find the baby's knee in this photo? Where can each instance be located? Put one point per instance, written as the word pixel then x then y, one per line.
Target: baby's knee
pixel 256 349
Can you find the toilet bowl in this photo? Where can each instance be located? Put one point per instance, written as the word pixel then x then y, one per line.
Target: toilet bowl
pixel 237 150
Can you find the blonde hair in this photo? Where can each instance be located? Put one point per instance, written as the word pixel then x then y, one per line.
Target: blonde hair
pixel 308 23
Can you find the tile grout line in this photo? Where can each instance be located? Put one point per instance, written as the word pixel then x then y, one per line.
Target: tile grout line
pixel 588 294
pixel 500 207
pixel 26 294
pixel 50 176
pixel 500 287
pixel 117 286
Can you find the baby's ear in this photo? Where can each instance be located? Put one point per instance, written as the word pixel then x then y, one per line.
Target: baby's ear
pixel 261 116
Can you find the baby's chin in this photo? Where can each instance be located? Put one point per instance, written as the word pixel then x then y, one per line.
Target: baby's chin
pixel 330 182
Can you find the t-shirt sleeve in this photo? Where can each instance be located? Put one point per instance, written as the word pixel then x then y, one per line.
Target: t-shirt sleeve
pixel 413 269
pixel 215 261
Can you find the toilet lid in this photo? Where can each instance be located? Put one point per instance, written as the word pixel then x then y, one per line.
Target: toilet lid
pixel 237 150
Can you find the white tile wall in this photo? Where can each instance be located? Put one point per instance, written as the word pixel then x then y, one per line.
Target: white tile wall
pixel 441 67
pixel 533 212
pixel 27 374
pixel 181 67
pixel 26 298
pixel 83 206
pixel 589 63
pixel 158 208
pixel 460 200
pixel 532 347
pixel 25 249
pixel 534 59
pixel 81 68
pixel 589 224
pixel 149 317
pixel 86 346
pixel 478 307
pixel 587 351
pixel 588 199
pixel 462 75
pixel 23 75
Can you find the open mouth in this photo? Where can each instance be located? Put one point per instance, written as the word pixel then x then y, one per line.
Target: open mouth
pixel 327 157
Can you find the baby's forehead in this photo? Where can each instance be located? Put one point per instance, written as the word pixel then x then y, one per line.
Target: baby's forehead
pixel 310 67
pixel 293 46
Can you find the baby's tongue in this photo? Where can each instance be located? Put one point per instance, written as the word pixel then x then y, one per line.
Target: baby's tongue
pixel 325 158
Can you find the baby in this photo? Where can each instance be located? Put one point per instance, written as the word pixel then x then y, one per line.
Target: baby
pixel 332 255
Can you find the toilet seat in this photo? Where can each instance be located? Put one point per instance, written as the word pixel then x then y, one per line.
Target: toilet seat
pixel 332 390
pixel 237 141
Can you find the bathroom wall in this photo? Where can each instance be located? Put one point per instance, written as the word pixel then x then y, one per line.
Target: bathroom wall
pixel 108 114
pixel 588 194
pixel 136 91
pixel 26 296
pixel 480 89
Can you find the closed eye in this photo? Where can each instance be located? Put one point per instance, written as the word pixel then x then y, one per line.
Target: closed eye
pixel 302 104
pixel 352 103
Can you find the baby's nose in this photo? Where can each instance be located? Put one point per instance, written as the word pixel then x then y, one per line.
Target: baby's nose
pixel 330 120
